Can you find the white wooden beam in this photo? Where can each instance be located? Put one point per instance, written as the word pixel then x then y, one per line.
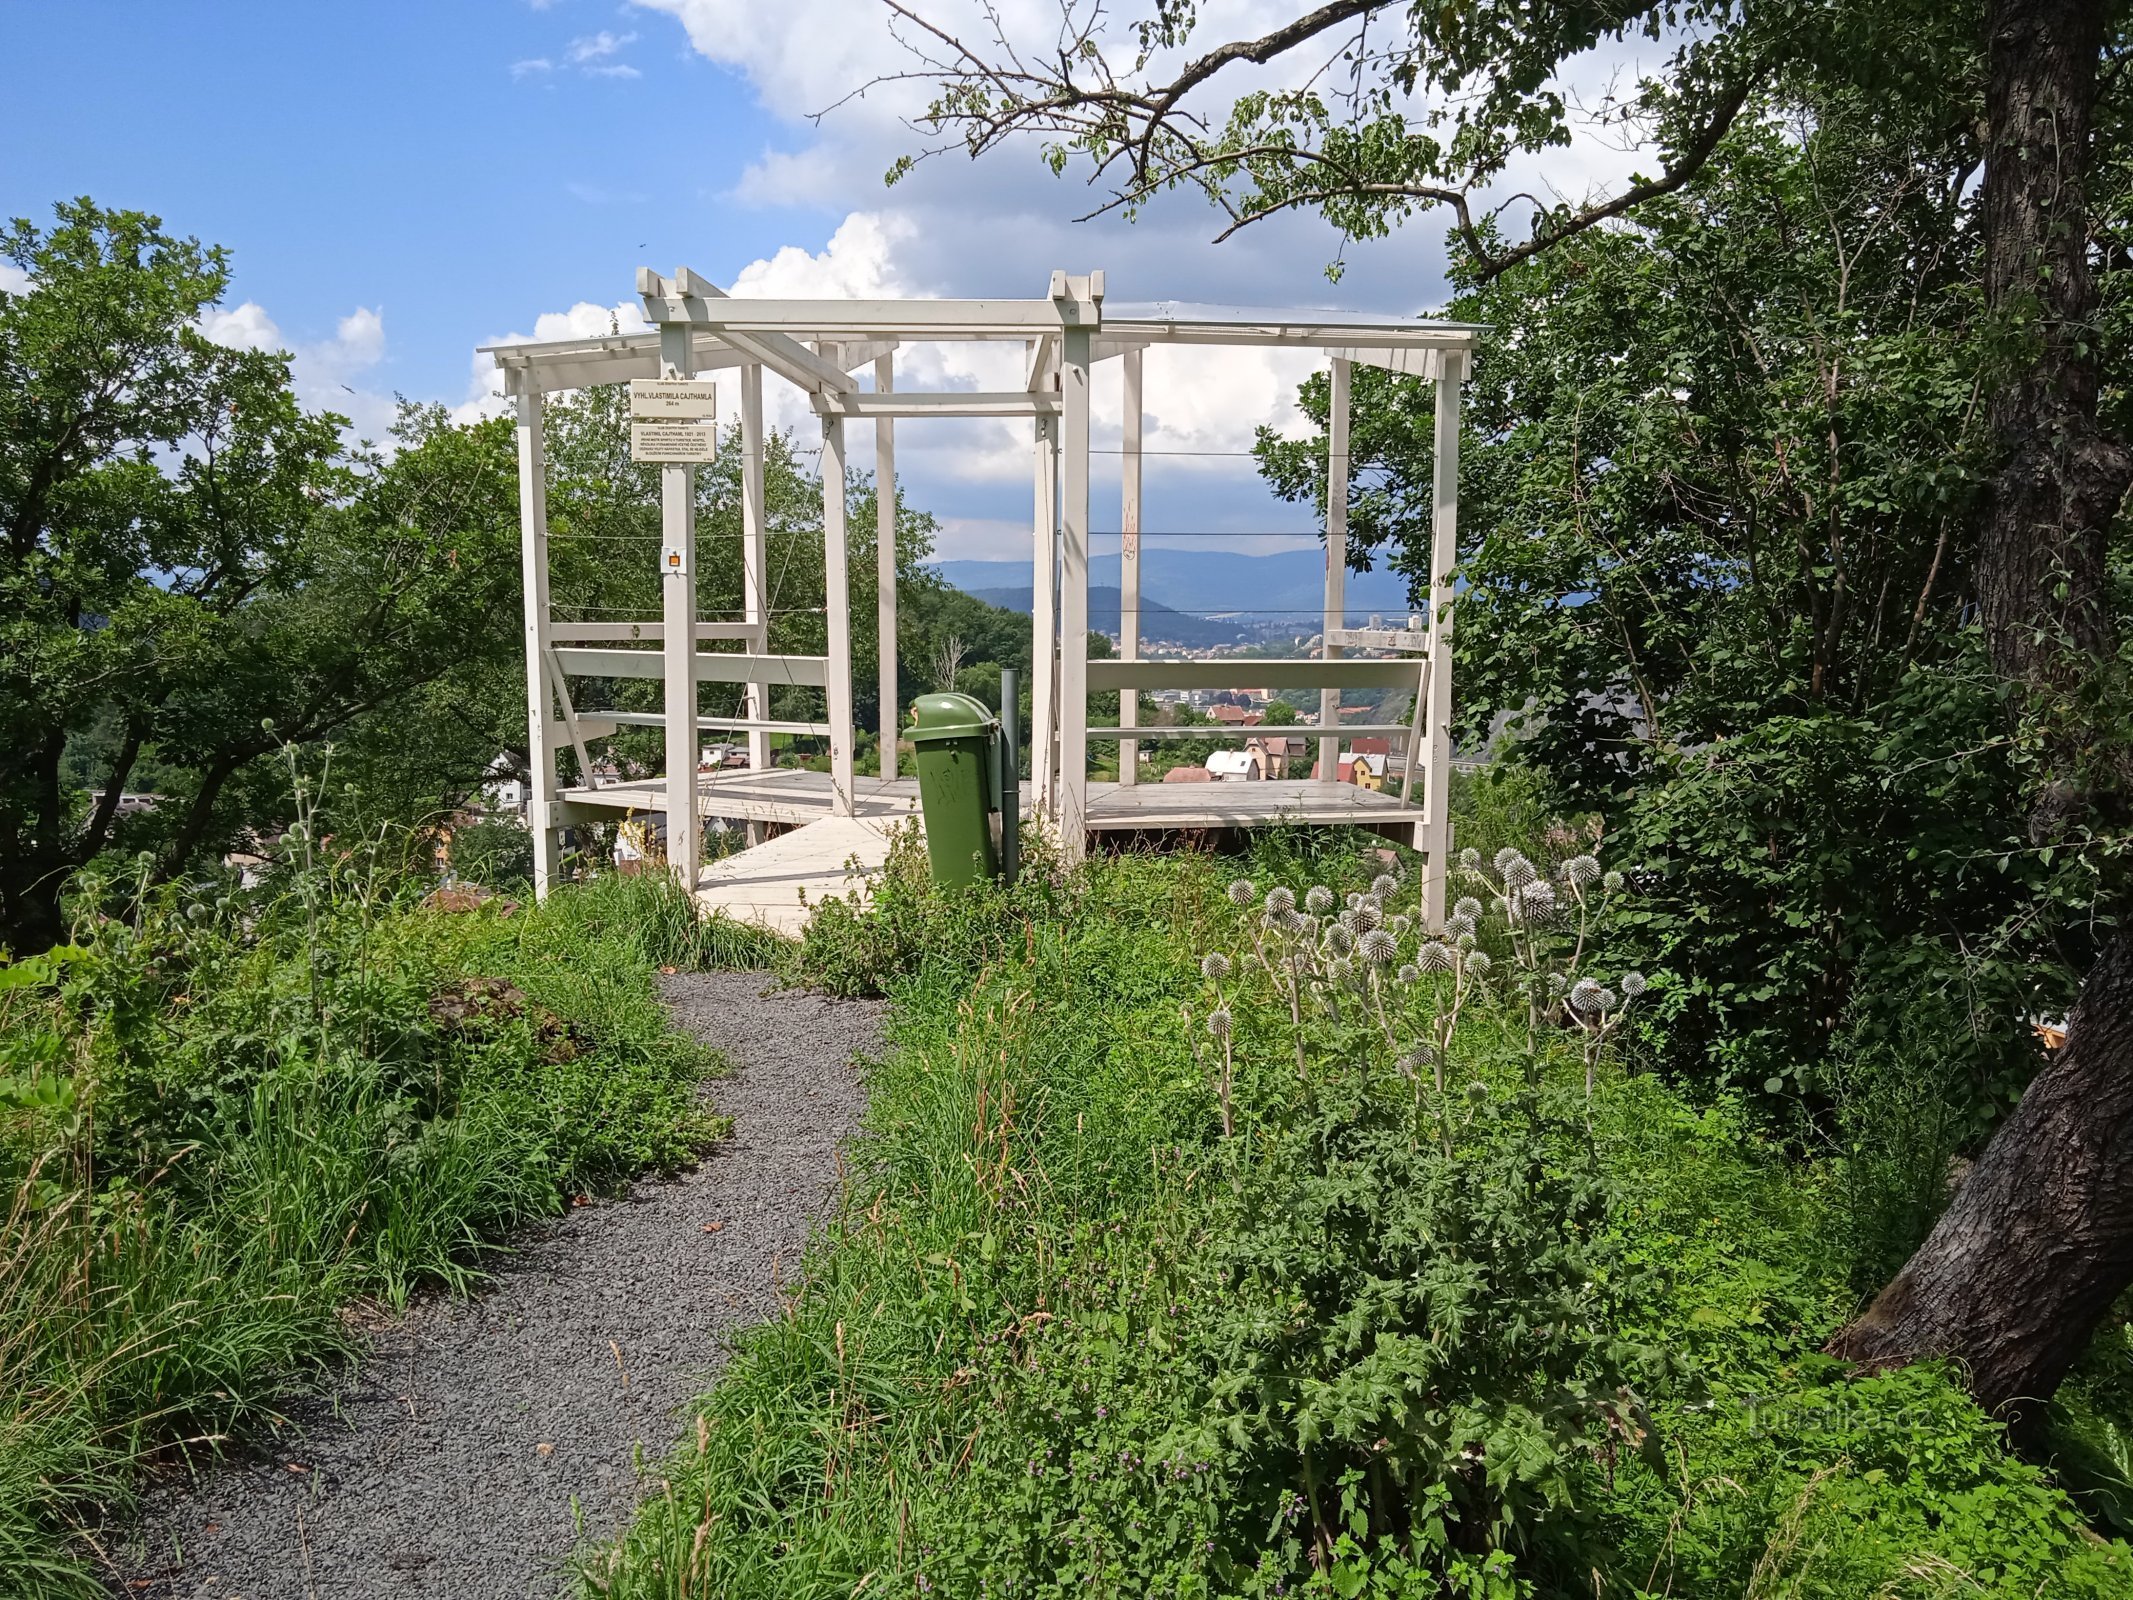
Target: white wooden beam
pixel 1074 575
pixel 709 666
pixel 1443 557
pixel 755 559
pixel 1129 561
pixel 885 567
pixel 642 632
pixel 1041 369
pixel 1329 699
pixel 848 319
pixel 1424 361
pixel 542 787
pixel 837 603
pixel 677 585
pixel 946 403
pixel 1044 613
pixel 674 307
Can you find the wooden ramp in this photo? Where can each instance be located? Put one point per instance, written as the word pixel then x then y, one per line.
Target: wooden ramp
pixel 777 884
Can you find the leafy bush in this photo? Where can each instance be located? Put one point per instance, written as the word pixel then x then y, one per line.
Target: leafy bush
pixel 1068 1336
pixel 220 1120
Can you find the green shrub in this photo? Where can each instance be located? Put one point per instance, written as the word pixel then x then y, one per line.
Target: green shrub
pixel 222 1119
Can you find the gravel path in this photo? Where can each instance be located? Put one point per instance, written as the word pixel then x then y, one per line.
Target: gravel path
pixel 460 1452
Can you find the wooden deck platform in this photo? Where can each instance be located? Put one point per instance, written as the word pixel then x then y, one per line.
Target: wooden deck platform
pixel 789 797
pixel 776 884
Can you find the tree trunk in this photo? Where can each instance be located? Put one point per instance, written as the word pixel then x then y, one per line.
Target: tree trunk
pixel 2038 1241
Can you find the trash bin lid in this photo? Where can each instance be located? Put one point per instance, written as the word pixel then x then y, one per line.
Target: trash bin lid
pixel 948 714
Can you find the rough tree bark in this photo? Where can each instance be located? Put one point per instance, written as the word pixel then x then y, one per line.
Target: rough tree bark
pixel 2038 1241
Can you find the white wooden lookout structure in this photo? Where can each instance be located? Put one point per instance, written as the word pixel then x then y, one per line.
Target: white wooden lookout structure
pixel 824 348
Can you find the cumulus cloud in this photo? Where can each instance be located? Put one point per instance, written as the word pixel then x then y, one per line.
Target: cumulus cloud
pixel 532 67
pixel 319 370
pixel 13 279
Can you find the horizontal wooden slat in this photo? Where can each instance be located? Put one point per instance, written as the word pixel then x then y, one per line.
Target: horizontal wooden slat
pixel 1280 674
pixel 643 632
pixel 830 319
pixel 902 403
pixel 658 719
pixel 710 668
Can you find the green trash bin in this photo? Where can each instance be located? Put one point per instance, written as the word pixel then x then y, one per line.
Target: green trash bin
pixel 957 742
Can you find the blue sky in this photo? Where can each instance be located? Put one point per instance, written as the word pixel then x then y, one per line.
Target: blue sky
pixel 401 182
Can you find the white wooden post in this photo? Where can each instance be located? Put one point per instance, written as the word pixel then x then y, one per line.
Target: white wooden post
pixel 755 564
pixel 1074 354
pixel 1044 683
pixel 677 566
pixel 837 604
pixel 885 564
pixel 1443 556
pixel 1329 700
pixel 533 558
pixel 1129 564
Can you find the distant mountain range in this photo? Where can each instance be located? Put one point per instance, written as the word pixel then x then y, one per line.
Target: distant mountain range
pixel 1288 586
pixel 1158 621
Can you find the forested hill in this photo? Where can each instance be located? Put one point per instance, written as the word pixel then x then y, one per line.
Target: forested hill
pixel 1158 621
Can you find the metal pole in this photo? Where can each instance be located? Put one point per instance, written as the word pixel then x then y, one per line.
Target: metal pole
pixel 1010 776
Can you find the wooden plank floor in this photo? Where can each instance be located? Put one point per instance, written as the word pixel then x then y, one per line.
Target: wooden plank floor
pixel 777 884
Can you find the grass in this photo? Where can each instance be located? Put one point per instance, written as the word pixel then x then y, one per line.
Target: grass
pixel 1004 1370
pixel 220 1124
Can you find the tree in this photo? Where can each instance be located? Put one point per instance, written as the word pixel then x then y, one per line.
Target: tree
pixel 1427 108
pixel 189 557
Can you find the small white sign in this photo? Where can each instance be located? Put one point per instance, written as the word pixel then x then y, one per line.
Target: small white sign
pixel 673 441
pixel 671 399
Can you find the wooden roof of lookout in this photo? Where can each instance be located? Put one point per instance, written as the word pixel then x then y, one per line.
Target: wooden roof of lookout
pixel 846 334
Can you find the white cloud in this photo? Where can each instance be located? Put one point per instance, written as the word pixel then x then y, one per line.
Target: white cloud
pixel 599 46
pixel 585 320
pixel 319 370
pixel 620 69
pixel 13 279
pixel 531 67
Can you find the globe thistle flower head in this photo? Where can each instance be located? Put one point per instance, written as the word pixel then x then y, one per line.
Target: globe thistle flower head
pixel 1219 1022
pixel 1242 894
pixel 1378 947
pixel 1611 881
pixel 1318 899
pixel 1606 1001
pixel 1368 916
pixel 1214 966
pixel 1477 1091
pixel 1403 924
pixel 1280 900
pixel 1581 870
pixel 1467 907
pixel 1408 972
pixel 1469 859
pixel 1633 984
pixel 1340 938
pixel 1435 956
pixel 1478 963
pixel 1341 968
pixel 1464 942
pixel 1348 920
pixel 1536 901
pixel 1457 925
pixel 1557 983
pixel 1383 884
pixel 1585 996
pixel 1520 872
